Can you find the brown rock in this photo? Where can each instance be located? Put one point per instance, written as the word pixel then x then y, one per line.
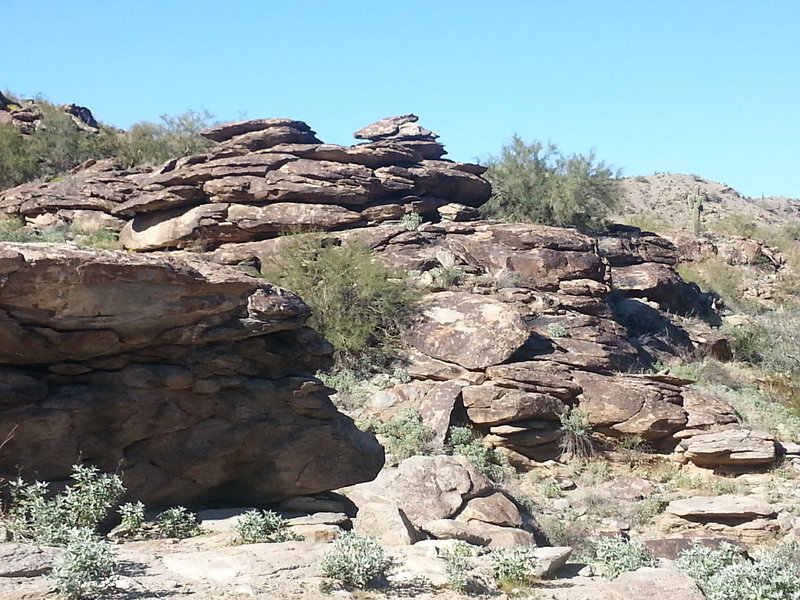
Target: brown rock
pixel 227 131
pixel 622 405
pixel 715 508
pixel 399 127
pixel 489 404
pixel 447 529
pixel 495 509
pixel 170 372
pixel 470 330
pixel 650 582
pixel 729 447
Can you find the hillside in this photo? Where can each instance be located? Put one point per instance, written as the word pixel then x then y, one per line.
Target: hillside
pixel 552 406
pixel 662 199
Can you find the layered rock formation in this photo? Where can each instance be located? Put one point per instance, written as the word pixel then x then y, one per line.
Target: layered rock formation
pixel 266 177
pixel 192 380
pixel 26 116
pixel 545 319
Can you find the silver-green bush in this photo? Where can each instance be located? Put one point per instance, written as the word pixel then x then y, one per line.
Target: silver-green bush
pixel 356 561
pixel 618 555
pixel 87 569
pixel 255 527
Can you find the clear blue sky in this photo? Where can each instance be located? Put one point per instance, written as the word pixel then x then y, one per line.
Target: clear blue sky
pixel 707 87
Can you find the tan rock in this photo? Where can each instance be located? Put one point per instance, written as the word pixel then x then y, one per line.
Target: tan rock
pixel 489 404
pixel 470 330
pixel 729 447
pixel 495 509
pixel 386 522
pixel 726 506
pixel 650 582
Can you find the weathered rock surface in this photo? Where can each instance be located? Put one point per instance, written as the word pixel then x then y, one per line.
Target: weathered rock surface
pixel 192 380
pixel 431 489
pixel 650 582
pixel 455 328
pixel 22 560
pixel 729 447
pixel 727 506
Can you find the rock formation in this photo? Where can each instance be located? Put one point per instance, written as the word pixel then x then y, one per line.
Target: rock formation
pixel 192 380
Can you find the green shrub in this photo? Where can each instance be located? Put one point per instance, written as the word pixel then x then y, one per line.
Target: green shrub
pixel 177 523
pixel 87 569
pixel 405 434
pixel 255 527
pixel 39 517
pixel 446 278
pixel 515 565
pixel 618 555
pixel 717 276
pixel 723 574
pixel 358 306
pixel 173 137
pixel 557 330
pixel 457 567
pixel 132 519
pixel 535 183
pixel 575 440
pixel 462 440
pixel 411 221
pixel 356 561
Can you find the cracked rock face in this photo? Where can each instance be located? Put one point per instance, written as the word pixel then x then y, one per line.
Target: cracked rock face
pixel 190 379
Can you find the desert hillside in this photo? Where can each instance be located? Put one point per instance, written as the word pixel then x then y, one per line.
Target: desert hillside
pixel 662 198
pixel 265 366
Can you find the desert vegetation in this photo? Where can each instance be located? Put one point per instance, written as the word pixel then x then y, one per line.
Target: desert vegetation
pixel 536 183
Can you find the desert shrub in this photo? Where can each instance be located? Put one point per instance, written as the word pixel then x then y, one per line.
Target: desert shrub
pixel 618 555
pixel 457 566
pixel 723 574
pixel 177 522
pixel 446 278
pixel 411 221
pixel 561 531
pixel 37 516
pixel 405 434
pixel 535 183
pixel 131 518
pixel 702 563
pixel 557 330
pixel 769 341
pixel 87 569
pixel 172 137
pixel 462 440
pixel 356 561
pixel 576 431
pixel 357 304
pixel 514 565
pixel 255 527
pixel 18 162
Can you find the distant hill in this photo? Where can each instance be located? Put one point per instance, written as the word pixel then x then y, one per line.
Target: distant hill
pixel 662 197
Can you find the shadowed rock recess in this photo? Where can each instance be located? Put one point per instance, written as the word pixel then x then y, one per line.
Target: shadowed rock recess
pixel 191 379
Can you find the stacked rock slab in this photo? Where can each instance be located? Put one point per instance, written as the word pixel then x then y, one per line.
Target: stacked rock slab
pixel 265 178
pixel 534 332
pixel 192 380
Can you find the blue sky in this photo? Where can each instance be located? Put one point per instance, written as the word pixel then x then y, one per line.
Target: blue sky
pixel 706 87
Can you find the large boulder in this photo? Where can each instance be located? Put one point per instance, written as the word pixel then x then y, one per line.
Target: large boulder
pixel 192 380
pixel 470 330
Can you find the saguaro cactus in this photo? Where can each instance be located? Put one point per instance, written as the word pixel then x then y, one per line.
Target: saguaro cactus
pixel 695 202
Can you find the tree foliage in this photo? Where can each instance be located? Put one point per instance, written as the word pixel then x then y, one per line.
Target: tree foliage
pixel 536 183
pixel 357 303
pixel 58 144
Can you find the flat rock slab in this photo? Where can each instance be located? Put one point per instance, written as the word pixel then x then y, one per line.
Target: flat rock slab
pixel 22 560
pixel 471 330
pixel 650 582
pixel 727 506
pixel 729 447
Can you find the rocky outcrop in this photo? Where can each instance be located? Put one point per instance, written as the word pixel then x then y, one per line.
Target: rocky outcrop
pixel 444 497
pixel 192 380
pixel 27 117
pixel 266 177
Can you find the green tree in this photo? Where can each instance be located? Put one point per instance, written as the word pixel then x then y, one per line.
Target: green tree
pixel 358 305
pixel 536 183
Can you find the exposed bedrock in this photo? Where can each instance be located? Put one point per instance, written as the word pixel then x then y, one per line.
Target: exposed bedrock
pixel 191 379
